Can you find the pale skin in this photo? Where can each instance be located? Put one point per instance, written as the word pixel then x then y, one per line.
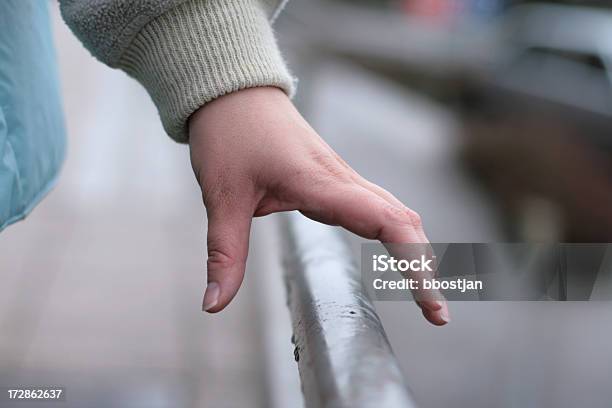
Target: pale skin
pixel 253 154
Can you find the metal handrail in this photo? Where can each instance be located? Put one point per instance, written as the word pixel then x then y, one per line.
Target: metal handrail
pixel 343 354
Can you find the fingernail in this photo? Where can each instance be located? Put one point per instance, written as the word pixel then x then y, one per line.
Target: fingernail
pixel 444 315
pixel 211 296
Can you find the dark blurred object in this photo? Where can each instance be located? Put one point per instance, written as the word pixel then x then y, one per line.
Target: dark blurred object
pixel 539 128
pixel 533 85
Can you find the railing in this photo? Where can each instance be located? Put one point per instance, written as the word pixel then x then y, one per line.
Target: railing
pixel 342 351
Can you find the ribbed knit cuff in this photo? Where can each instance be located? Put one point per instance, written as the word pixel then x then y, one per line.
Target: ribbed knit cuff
pixel 200 50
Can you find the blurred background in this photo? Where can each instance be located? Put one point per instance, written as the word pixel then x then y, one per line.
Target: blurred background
pixel 491 118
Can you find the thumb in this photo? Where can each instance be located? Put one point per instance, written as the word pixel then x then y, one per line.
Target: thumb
pixel 229 227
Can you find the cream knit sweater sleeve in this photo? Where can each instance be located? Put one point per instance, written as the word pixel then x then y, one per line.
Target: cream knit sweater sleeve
pixel 184 52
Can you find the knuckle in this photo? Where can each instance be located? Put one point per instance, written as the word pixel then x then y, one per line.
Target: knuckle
pixel 413 218
pixel 404 216
pixel 329 167
pixel 311 179
pixel 220 259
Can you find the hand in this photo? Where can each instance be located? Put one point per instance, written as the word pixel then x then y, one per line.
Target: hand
pixel 253 154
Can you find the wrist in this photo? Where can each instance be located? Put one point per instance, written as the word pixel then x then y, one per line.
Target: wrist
pixel 248 106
